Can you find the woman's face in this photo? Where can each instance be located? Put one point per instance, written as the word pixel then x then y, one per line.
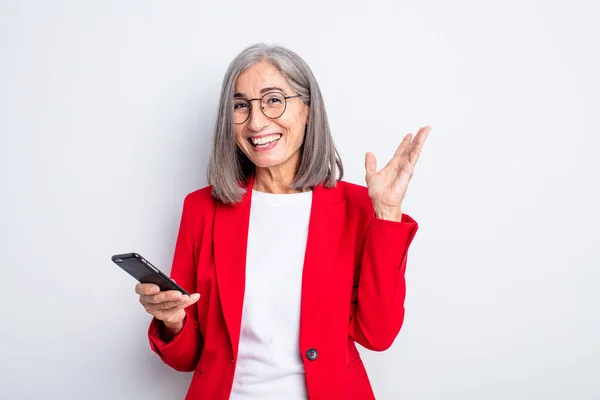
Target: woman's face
pixel 270 142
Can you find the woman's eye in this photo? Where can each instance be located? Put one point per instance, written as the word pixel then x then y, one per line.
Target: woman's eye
pixel 274 100
pixel 240 106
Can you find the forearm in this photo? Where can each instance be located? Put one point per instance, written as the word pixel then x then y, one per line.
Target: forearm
pixel 379 293
pixel 179 350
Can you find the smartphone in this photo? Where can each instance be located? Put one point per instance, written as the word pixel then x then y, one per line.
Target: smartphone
pixel 141 269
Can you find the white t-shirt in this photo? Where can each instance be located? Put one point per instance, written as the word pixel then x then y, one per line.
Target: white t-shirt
pixel 269 365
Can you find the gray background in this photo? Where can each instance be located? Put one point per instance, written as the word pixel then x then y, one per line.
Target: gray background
pixel 106 113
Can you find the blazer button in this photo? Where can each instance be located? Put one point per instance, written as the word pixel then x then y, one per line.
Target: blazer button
pixel 312 354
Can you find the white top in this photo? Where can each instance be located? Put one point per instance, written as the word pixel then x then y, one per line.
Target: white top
pixel 269 365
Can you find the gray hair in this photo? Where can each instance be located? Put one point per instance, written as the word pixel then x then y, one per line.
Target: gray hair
pixel 319 160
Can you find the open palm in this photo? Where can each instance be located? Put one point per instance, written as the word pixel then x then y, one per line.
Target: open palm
pixel 388 186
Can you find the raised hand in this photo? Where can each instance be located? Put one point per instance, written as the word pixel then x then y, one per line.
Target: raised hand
pixel 387 187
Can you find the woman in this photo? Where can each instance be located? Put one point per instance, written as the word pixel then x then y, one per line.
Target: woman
pixel 289 265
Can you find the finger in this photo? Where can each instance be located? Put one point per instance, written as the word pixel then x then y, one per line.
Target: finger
pixel 168 295
pixel 422 136
pixel 187 301
pixel 164 306
pixel 193 298
pixel 173 306
pixel 146 289
pixel 404 145
pixel 419 141
pixel 400 152
pixel 370 164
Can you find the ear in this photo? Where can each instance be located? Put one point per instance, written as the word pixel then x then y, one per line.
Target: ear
pixel 307 113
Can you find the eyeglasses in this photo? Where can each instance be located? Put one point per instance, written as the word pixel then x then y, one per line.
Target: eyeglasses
pixel 272 104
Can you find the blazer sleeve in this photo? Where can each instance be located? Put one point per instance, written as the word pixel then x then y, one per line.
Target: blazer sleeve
pixel 182 351
pixel 379 290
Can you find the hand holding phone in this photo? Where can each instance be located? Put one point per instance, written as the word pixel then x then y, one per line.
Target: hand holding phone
pixel 166 306
pixel 160 295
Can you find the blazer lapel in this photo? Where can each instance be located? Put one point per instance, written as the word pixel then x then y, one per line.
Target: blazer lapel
pixel 230 245
pixel 325 230
pixel 231 224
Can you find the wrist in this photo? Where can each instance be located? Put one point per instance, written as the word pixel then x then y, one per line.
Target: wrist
pixel 388 214
pixel 173 328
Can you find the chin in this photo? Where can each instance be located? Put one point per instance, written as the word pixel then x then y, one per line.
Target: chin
pixel 267 163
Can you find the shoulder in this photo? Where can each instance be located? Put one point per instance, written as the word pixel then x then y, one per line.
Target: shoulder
pixel 199 203
pixel 356 196
pixel 353 193
pixel 200 197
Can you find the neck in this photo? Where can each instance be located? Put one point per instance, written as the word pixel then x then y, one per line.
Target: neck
pixel 275 180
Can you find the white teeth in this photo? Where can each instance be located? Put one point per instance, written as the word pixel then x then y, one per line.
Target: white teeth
pixel 265 139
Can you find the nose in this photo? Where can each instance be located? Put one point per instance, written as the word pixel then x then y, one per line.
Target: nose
pixel 257 120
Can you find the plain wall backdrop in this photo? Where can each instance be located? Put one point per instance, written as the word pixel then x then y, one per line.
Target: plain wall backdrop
pixel 106 116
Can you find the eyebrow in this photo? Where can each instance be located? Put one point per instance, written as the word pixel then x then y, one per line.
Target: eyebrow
pixel 263 91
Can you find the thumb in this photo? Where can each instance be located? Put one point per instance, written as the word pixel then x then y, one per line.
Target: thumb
pixel 370 164
pixel 193 298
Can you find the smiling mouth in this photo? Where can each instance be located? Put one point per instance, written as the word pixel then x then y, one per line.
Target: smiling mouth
pixel 265 140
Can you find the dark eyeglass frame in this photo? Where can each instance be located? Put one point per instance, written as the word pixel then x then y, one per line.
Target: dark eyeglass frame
pixel 249 101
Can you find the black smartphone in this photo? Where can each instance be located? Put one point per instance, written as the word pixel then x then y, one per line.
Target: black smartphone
pixel 141 269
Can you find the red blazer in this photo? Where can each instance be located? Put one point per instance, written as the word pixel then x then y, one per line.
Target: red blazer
pixel 353 290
